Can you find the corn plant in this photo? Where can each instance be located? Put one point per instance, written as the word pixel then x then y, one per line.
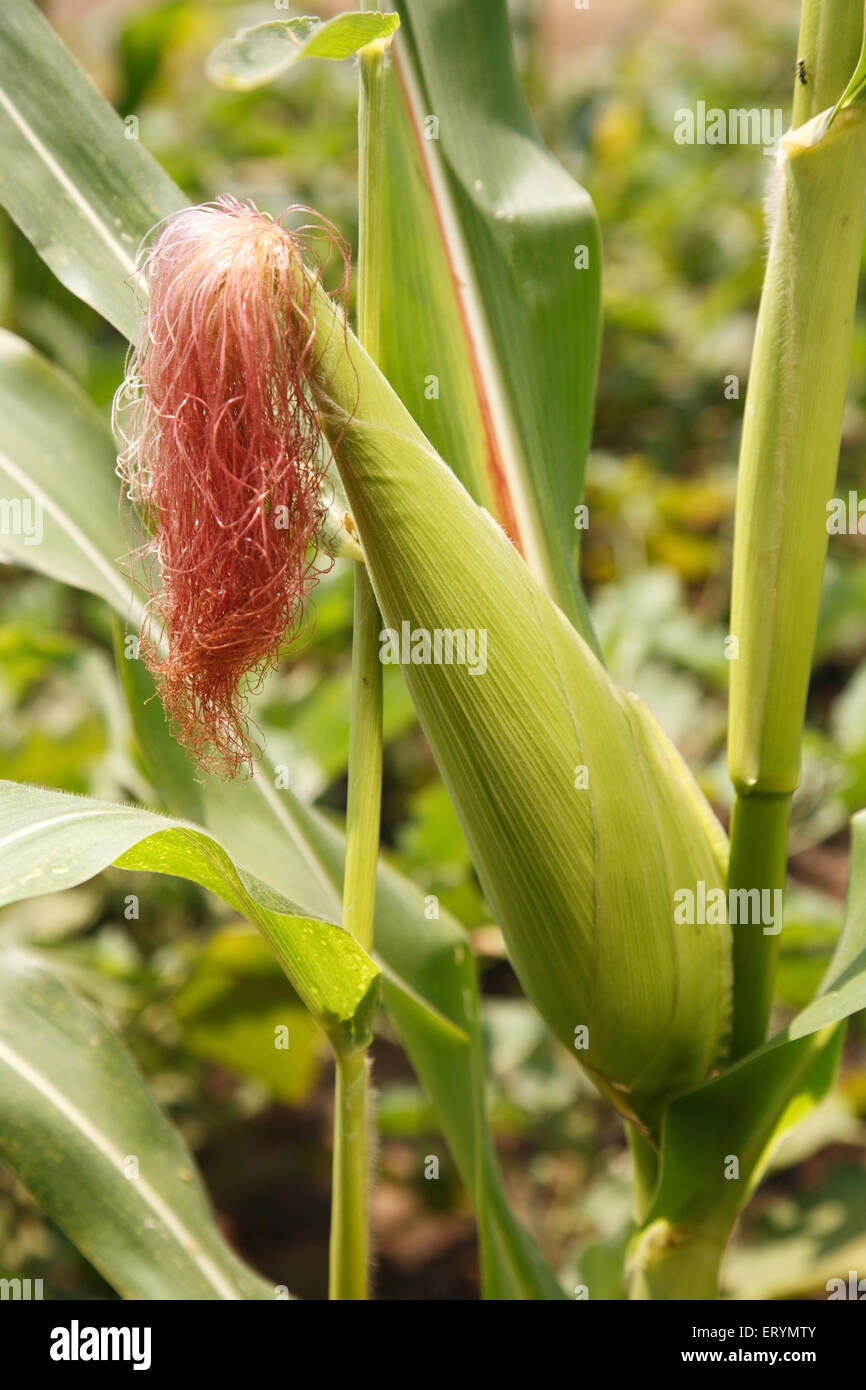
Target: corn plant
pixel 260 438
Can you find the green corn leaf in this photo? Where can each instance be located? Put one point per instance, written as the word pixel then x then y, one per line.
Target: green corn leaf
pixel 857 84
pixel 581 825
pixel 231 1007
pixel 81 191
pixel 47 459
pixel 430 987
pixel 425 351
pixel 50 840
pixel 744 1112
pixel 80 1129
pixel 259 54
pixel 828 44
pixel 517 316
pixel 429 981
pixel 495 361
pixel 843 989
pixel 268 829
pixel 810 1239
pixel 735 1119
pixel 457 1089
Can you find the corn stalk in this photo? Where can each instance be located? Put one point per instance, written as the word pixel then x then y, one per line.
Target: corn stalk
pixel 788 459
pixel 349 1253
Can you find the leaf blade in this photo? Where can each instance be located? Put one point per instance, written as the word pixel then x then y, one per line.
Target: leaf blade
pixel 262 52
pixel 61 461
pixel 502 207
pixel 68 1090
pixel 429 982
pixel 51 840
pixel 747 1109
pixel 277 838
pixel 80 191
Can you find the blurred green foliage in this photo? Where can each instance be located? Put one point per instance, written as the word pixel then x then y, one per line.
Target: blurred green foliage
pixel 683 246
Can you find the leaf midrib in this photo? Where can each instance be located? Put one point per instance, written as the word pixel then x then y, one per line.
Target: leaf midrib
pixel 103 1146
pixel 67 184
pixel 78 537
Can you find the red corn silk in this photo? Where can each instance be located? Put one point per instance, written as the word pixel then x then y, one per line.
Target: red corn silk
pixel 225 465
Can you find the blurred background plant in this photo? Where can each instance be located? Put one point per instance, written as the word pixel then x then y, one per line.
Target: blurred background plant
pixel 183 982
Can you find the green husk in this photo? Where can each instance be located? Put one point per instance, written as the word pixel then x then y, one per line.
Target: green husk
pixel 581 878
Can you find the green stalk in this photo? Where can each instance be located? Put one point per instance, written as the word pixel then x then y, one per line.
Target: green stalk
pixel 788 458
pixel 759 859
pixel 676 1264
pixel 349 1210
pixel 365 751
pixel 365 766
pixel 646 1172
pixel 371 120
pixel 830 34
pixel 349 1203
pixel 349 1242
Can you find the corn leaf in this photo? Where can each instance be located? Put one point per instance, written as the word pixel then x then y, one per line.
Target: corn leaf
pixel 521 304
pixel 45 458
pixel 80 1129
pixel 496 361
pixel 431 955
pixel 432 371
pixel 259 54
pixel 742 1113
pixel 843 989
pixel 429 980
pixel 51 840
pixel 430 987
pixel 81 191
pixel 856 86
pixel 745 1111
pixel 811 1238
pixel 716 1144
pixel 232 1007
